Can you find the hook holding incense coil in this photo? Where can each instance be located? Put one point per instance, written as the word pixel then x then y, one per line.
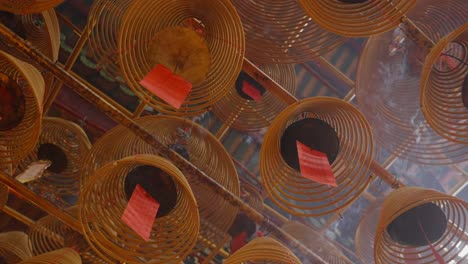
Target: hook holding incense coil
pixel 103 201
pixel 361 19
pixel 331 126
pixel 441 90
pixel 263 250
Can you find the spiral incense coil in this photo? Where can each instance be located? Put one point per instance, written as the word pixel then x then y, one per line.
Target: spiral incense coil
pixel 281 32
pixel 103 201
pixel 364 19
pixel 315 242
pixel 224 35
pixel 365 233
pixel 49 234
pixel 263 250
pixel 28 6
pixel 298 195
pixel 65 144
pixel 441 102
pixel 388 84
pixel 243 113
pixel 61 256
pixel 200 147
pixel 42 31
pixel 14 247
pixel 22 91
pixel 413 218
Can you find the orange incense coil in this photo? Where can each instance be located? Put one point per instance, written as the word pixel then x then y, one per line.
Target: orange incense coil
pixel 65 144
pixel 49 234
pixel 200 147
pixel 241 112
pixel 363 19
pixel 315 242
pixel 337 129
pixel 388 85
pixel 365 233
pixel 14 247
pixel 104 199
pixel 281 32
pixel 28 6
pixel 414 219
pixel 21 95
pixel 440 92
pixel 61 256
pixel 145 21
pixel 263 250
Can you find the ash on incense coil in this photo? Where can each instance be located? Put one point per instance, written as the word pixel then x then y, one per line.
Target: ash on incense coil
pixel 413 220
pixel 280 32
pixel 14 247
pixel 315 241
pixel 224 36
pixel 61 256
pixel 28 6
pixel 243 113
pixel 263 250
pixel 21 95
pixel 388 86
pixel 65 144
pixel 357 19
pixel 49 234
pixel 353 153
pixel 440 92
pixel 200 147
pixel 103 201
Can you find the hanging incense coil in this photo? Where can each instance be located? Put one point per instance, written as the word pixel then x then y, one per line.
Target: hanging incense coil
pixel 61 256
pixel 103 201
pixel 144 20
pixel 263 250
pixel 365 233
pixel 414 219
pixel 440 92
pixel 281 32
pixel 49 234
pixel 28 6
pixel 240 111
pixel 65 144
pixel 336 128
pixel 14 247
pixel 388 84
pixel 42 31
pixel 191 141
pixel 315 242
pixel 362 19
pixel 22 91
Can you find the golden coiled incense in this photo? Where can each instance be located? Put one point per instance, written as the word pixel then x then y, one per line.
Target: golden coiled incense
pixel 14 247
pixel 28 6
pixel 61 256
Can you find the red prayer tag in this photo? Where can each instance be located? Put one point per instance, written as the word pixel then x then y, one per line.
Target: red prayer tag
pixel 314 165
pixel 168 86
pixel 251 91
pixel 140 212
pixel 238 241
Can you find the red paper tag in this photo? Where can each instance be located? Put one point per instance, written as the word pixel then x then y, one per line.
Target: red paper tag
pixel 238 241
pixel 168 86
pixel 251 91
pixel 140 212
pixel 314 165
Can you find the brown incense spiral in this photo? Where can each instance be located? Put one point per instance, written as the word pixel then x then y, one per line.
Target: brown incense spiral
pixel 368 18
pixel 298 195
pixel 61 256
pixel 103 201
pixel 280 32
pixel 28 6
pixel 14 247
